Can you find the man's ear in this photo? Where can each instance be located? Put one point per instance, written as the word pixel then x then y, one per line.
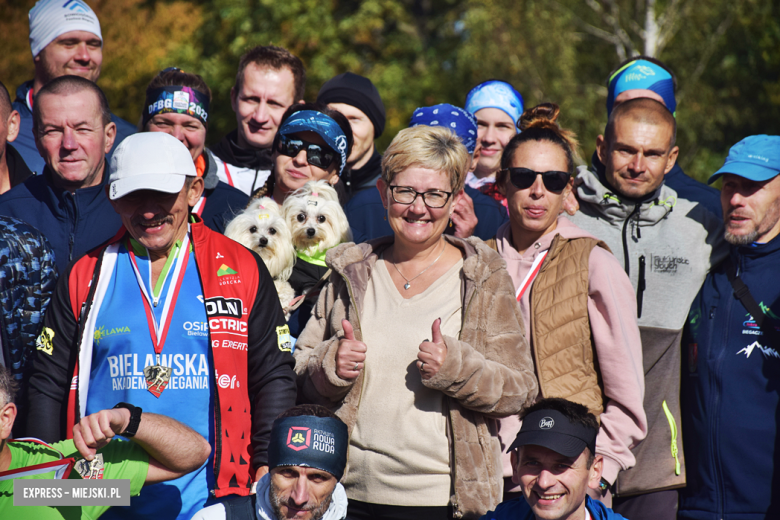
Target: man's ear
pixel 195 191
pixel 7 418
pixel 110 133
pixel 513 460
pixel 601 149
pixel 672 159
pixel 13 126
pixel 234 99
pixel 594 473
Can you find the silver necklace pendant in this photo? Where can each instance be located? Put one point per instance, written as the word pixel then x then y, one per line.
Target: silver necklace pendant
pixel 407 285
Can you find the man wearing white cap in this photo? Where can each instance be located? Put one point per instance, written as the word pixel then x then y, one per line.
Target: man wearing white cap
pixel 65 39
pixel 174 318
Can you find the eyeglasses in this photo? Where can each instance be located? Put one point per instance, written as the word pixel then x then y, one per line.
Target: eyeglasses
pixel 432 198
pixel 523 178
pixel 316 155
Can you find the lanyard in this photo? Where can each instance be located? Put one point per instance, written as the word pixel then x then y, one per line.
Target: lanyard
pixel 529 278
pixel 61 467
pixel 159 331
pixel 227 172
pixel 198 207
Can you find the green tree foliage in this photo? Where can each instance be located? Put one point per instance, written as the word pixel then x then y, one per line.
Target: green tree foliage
pixel 422 52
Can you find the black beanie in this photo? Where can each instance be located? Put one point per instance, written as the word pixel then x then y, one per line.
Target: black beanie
pixel 356 91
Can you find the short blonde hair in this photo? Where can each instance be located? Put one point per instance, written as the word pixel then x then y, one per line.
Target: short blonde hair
pixel 431 147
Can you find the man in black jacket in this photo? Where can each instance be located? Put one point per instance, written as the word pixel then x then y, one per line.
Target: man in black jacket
pixel 270 79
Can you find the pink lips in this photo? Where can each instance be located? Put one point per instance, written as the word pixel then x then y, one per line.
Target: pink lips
pixel 535 211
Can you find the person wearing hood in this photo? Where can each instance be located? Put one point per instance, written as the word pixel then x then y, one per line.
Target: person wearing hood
pixel 666 245
pixel 576 300
pixel 358 99
pixel 305 470
pixel 177 103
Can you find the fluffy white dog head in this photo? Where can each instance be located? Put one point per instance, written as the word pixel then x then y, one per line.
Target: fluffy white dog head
pixel 262 228
pixel 315 218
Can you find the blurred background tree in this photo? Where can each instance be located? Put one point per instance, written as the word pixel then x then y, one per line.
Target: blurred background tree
pixel 422 52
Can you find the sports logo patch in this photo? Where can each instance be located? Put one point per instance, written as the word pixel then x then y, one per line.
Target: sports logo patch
pixel 45 341
pixel 299 438
pixel 224 270
pixel 283 338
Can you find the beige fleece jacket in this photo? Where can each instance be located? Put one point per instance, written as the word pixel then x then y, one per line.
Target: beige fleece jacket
pixel 488 372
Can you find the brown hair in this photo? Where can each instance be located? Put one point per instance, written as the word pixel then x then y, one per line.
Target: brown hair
pixel 540 123
pixel 432 147
pixel 643 110
pixel 67 85
pixel 275 58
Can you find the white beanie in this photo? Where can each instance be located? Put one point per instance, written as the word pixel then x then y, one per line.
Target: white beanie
pixel 52 18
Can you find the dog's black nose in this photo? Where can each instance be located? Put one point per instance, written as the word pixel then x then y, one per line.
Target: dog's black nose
pixel 263 241
pixel 310 232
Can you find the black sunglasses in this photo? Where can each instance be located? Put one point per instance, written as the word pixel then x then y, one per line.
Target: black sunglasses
pixel 523 178
pixel 316 154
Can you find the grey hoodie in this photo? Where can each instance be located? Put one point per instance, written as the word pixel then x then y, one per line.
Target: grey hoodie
pixel 666 245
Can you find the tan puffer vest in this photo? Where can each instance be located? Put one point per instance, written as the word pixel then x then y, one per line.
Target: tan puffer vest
pixel 561 338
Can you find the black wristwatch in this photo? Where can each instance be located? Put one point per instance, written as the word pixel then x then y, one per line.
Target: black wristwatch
pixel 135 419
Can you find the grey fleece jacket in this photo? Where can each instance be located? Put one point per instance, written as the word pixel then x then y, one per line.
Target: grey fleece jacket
pixel 666 245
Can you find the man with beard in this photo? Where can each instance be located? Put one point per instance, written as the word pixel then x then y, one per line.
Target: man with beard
pixel 732 367
pixel 307 457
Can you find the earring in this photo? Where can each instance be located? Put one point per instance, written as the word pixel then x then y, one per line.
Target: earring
pixel 450 221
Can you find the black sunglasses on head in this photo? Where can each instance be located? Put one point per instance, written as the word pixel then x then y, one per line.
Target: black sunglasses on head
pixel 316 154
pixel 523 178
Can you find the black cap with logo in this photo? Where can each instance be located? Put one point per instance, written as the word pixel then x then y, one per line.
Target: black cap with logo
pixel 553 430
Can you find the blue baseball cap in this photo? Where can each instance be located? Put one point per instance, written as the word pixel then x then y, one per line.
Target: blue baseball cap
pixel 645 75
pixel 756 158
pixel 461 123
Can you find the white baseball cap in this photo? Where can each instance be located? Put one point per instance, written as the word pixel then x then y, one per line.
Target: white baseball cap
pixel 149 161
pixel 52 18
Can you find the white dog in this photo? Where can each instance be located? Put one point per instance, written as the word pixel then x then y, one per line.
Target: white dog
pixel 315 218
pixel 262 228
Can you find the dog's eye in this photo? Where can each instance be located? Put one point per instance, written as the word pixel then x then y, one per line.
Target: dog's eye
pixel 253 229
pixel 301 217
pixel 271 231
pixel 321 219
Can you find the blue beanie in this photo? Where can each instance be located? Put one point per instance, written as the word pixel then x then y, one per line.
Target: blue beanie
pixel 642 74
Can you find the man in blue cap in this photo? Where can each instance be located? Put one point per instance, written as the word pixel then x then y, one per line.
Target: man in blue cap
pixel 647 77
pixel 731 371
pixel 475 213
pixel 497 106
pixel 554 460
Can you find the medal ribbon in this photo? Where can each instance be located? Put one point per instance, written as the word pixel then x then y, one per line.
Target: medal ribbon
pixel 61 467
pixel 159 332
pixel 529 278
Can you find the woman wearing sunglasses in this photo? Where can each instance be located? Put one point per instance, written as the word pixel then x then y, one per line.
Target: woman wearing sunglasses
pixel 418 343
pixel 577 302
pixel 312 144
